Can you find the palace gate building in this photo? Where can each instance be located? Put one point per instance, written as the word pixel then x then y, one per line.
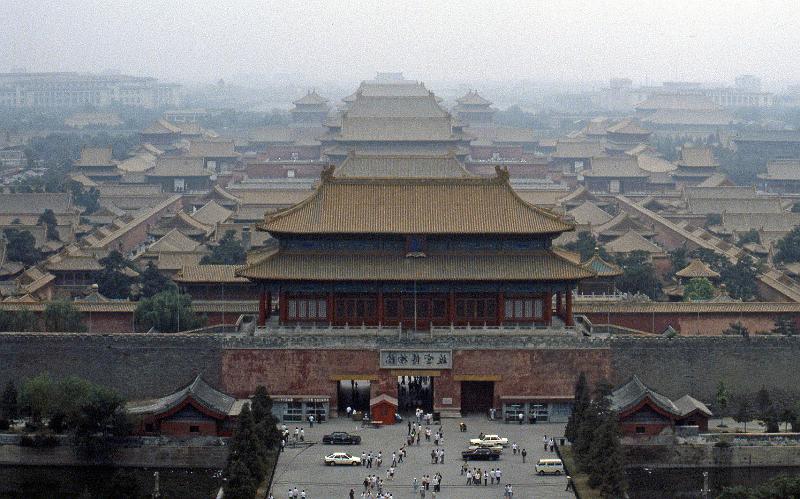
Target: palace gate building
pixel 400 269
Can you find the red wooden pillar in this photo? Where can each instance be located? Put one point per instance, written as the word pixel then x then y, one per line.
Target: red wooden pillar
pixel 282 306
pixel 568 312
pixel 451 307
pixel 269 304
pixel 501 307
pixel 558 305
pixel 380 308
pixel 262 308
pixel 331 315
pixel 547 309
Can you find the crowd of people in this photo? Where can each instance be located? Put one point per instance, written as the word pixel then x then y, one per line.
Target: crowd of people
pixel 377 484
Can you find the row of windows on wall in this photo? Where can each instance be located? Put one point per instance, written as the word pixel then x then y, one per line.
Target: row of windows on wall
pixel 416 244
pixel 424 308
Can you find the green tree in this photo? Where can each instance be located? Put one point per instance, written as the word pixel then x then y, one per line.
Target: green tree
pixel 751 236
pixel 785 325
pixel 580 404
pixel 240 483
pixel 112 281
pixel 9 402
pixel 167 312
pixel 788 248
pixel 698 289
pixel 639 275
pixel 89 199
pixel 266 422
pixel 763 403
pixel 713 219
pixel 19 320
pixel 679 258
pixel 608 472
pixel 781 487
pixel 586 245
pixel 722 398
pixel 744 412
pixel 246 446
pixel 740 278
pixel 771 420
pixel 62 316
pixel 37 396
pixel 154 282
pixel 736 329
pixel 99 420
pixel 21 247
pixel 228 251
pixel 48 219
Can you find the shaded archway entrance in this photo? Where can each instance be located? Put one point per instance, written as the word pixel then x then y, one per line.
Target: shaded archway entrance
pixel 414 392
pixel 476 396
pixel 353 393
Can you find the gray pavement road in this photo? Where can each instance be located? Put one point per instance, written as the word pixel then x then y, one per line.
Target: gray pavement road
pixel 303 467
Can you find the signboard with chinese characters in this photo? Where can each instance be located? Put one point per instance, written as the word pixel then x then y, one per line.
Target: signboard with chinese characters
pixel 417 359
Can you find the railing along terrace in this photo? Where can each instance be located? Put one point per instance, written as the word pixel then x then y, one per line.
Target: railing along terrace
pixel 389 330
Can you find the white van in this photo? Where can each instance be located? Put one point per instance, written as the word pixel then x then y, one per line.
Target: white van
pixel 549 467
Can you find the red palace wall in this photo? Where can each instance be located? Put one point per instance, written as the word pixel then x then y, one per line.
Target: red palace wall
pixel 544 372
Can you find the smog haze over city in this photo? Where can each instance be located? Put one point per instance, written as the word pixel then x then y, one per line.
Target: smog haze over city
pixel 399 249
pixel 567 41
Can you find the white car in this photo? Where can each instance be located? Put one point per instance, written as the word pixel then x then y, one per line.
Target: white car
pixel 342 458
pixel 489 441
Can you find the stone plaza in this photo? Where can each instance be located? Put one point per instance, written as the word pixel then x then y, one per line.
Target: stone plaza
pixel 302 466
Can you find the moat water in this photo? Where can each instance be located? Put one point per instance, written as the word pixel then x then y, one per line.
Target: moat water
pixel 686 483
pixel 47 482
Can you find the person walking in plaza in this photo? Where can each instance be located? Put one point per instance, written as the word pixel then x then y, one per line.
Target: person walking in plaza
pixel 498 473
pixel 409 427
pixel 514 448
pixel 415 486
pixel 491 476
pixel 311 421
pixel 441 456
pixel 544 439
pixel 521 417
pixel 352 494
pixel 302 435
pixel 570 484
pixel 485 478
pixel 524 455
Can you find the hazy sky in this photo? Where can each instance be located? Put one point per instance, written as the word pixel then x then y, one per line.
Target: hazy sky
pixel 203 40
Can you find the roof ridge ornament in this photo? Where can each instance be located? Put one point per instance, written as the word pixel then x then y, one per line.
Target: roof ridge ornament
pixel 327 174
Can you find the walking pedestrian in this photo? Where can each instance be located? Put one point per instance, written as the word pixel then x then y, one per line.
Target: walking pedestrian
pixel 544 439
pixel 414 485
pixel 485 478
pixel 570 484
pixel 524 454
pixel 514 448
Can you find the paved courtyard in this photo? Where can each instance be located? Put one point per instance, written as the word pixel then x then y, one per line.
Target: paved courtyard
pixel 303 467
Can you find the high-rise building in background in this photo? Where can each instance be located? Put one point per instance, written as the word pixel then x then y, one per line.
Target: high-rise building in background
pixel 65 90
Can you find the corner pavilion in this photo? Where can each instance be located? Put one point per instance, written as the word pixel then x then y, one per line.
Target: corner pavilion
pixel 436 247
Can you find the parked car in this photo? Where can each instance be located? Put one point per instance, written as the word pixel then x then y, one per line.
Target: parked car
pixel 342 458
pixel 480 453
pixel 489 440
pixel 494 448
pixel 341 438
pixel 549 467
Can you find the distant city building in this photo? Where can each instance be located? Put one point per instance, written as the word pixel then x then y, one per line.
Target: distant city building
pixel 97 120
pixel 394 118
pixel 474 109
pixel 65 90
pixel 310 110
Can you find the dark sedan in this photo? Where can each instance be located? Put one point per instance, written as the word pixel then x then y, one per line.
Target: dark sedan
pixel 341 438
pixel 481 454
